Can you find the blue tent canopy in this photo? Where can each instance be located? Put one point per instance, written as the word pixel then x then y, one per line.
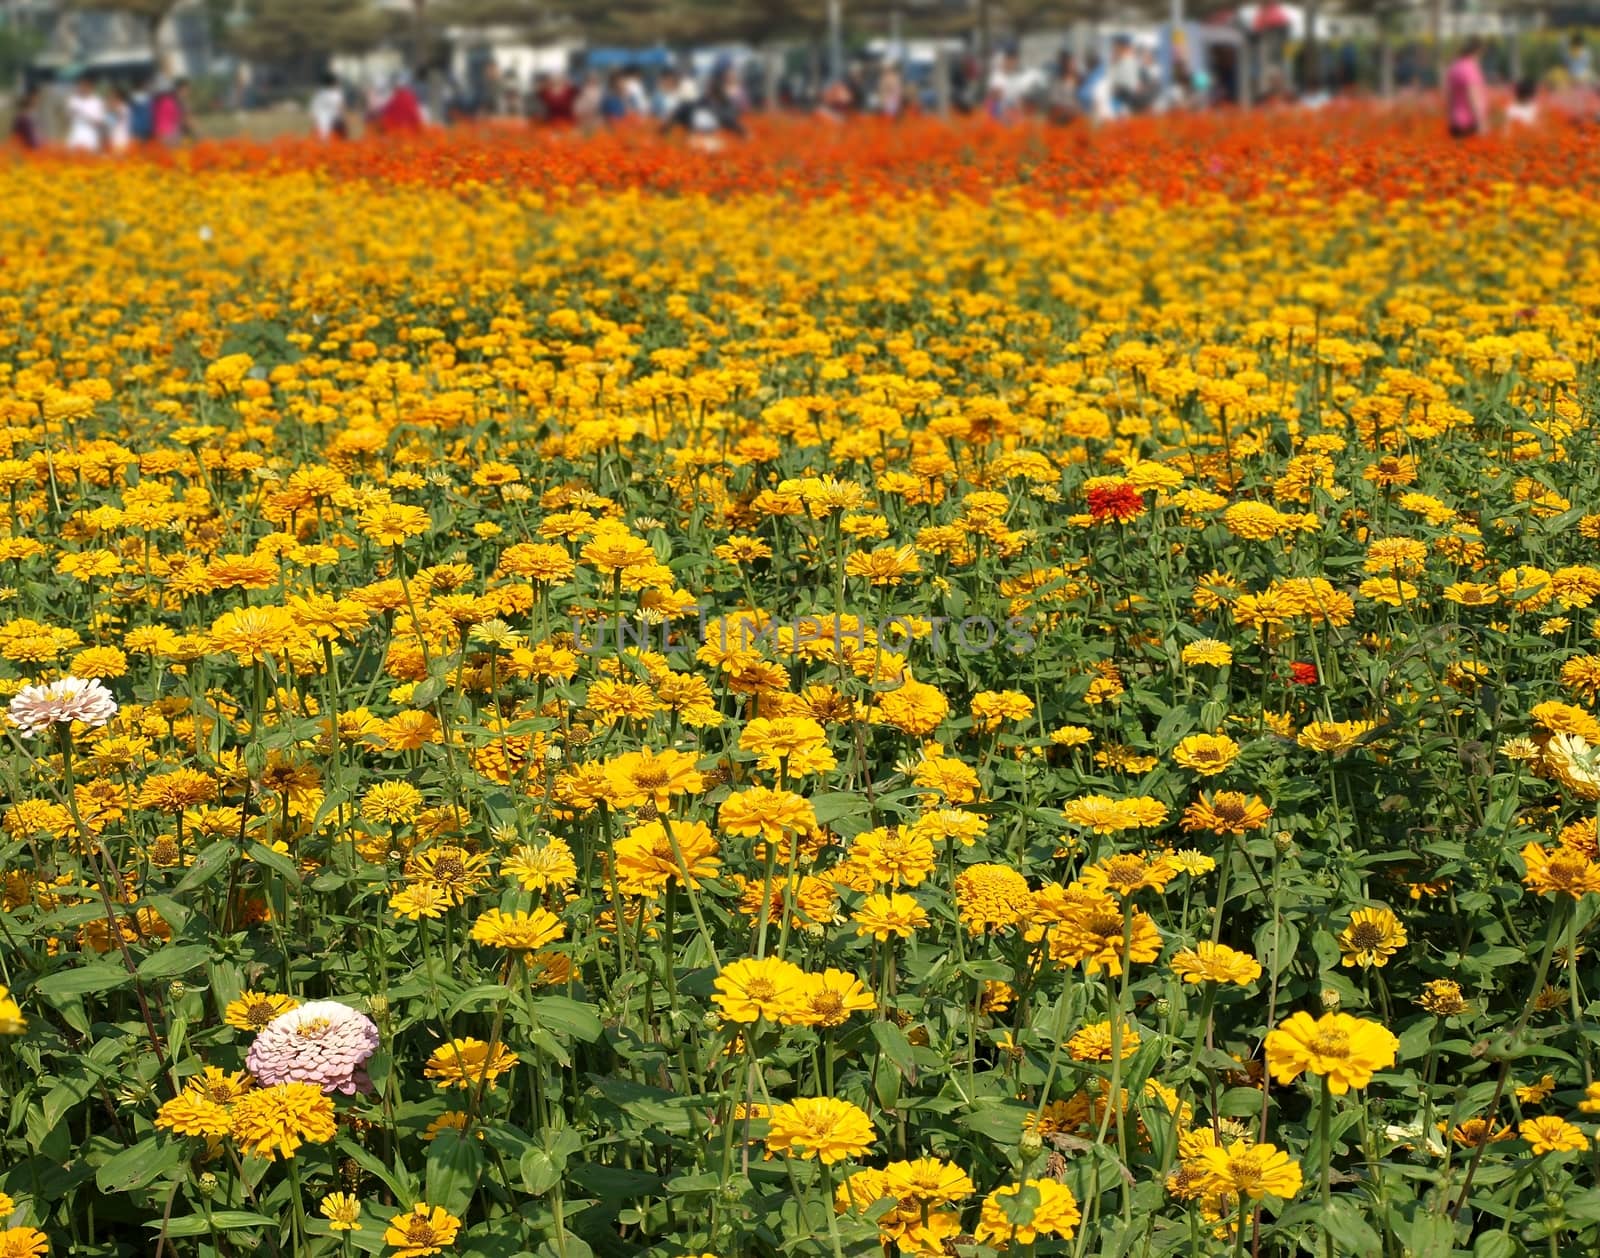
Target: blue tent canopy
pixel 657 58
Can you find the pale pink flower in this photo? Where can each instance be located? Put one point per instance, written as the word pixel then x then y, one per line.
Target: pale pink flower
pixel 35 709
pixel 322 1042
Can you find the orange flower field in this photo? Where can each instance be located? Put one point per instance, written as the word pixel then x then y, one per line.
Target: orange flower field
pixel 1395 153
pixel 886 691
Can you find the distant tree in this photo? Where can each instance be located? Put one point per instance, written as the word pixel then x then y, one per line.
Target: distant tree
pixel 1387 16
pixel 151 12
pixel 18 47
pixel 300 35
pixel 637 21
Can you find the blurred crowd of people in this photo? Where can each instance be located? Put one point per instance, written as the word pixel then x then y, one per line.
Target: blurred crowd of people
pixel 669 97
pixel 710 106
pixel 91 118
pixel 1133 78
pixel 1568 90
pixel 707 108
pixel 1130 81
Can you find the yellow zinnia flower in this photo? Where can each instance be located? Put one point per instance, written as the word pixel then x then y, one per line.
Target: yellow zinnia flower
pixel 422 1230
pixel 1210 962
pixel 1345 1051
pixel 342 1211
pixel 1250 1170
pixel 274 1122
pixel 819 1127
pixel 469 1063
pixel 755 988
pixel 1371 938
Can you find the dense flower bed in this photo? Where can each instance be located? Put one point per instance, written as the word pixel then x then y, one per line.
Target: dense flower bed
pixel 758 724
pixel 1389 152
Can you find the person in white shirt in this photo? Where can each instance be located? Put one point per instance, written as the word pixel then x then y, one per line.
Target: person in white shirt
pixel 1524 111
pixel 1127 78
pixel 327 108
pixel 891 92
pixel 633 93
pixel 87 118
pixel 1096 91
pixel 1010 86
pixel 119 122
pixel 673 92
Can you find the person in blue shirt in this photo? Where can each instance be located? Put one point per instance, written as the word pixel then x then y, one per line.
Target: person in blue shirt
pixel 614 100
pixel 1580 69
pixel 1094 93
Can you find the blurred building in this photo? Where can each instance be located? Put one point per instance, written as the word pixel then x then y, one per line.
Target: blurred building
pixel 112 42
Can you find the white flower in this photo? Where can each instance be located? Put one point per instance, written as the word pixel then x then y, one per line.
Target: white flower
pixel 35 709
pixel 1572 761
pixel 322 1042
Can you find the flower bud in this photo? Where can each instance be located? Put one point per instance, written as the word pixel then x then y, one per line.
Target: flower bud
pixel 1283 840
pixel 1330 999
pixel 207 1184
pixel 1031 1142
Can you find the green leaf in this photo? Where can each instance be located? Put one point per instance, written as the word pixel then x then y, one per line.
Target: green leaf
pixel 1018 1207
pixel 892 1040
pixel 1240 1102
pixel 134 1168
pixel 549 1046
pixel 1288 941
pixel 1585 1206
pixel 1485 958
pixel 454 1165
pixel 67 1093
pixel 1416 1038
pixel 832 805
pixel 1431 1236
pixel 886 1088
pixel 683 1185
pixel 985 971
pixel 540 1172
pixel 568 1017
pixel 616 1182
pixel 1216 1059
pixel 1349 1230
pixel 1000 1121
pixel 573 1247
pixel 1494 1245
pixel 221 1221
pixel 277 862
pixel 99 976
pixel 478 997
pixel 171 961
pixel 207 866
pixel 399 1180
pixel 334 800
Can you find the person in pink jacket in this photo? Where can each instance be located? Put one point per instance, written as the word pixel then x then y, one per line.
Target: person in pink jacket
pixel 1466 98
pixel 169 114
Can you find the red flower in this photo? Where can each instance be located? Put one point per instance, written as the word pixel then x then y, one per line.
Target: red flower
pixel 1115 502
pixel 1303 674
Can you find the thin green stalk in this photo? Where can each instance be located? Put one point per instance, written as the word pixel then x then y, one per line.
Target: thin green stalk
pixel 1325 1147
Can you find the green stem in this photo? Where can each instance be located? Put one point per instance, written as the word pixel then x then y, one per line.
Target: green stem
pixel 299 1215
pixel 827 1204
pixel 1325 1148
